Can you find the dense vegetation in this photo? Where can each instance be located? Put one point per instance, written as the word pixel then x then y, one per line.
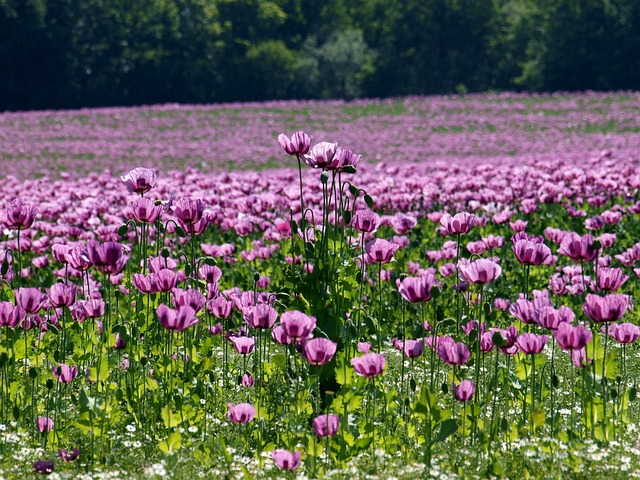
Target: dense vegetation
pixel 186 322
pixel 69 53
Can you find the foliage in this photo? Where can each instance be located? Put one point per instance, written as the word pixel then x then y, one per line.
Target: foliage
pixel 72 53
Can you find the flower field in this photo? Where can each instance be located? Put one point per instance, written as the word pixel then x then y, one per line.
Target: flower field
pixel 226 292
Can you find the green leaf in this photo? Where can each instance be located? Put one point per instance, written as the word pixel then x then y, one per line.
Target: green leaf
pixel 87 403
pixel 344 372
pixel 279 360
pixel 426 405
pixel 169 418
pixel 103 374
pixel 538 418
pixel 447 428
pixel 171 444
pixel 83 422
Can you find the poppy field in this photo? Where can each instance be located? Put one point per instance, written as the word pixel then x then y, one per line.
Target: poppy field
pixel 426 287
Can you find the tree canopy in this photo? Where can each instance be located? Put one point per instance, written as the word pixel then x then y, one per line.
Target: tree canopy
pixel 72 53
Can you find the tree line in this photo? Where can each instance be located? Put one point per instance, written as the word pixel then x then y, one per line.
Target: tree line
pixel 72 53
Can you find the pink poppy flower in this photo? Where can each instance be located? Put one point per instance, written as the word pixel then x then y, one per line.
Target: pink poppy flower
pixel 241 413
pixel 609 308
pixel 463 392
pixel 320 155
pixel 298 144
pixel 260 316
pixel 139 180
pixel 380 251
pixel 319 351
pixel 531 344
pixel 18 215
pixel 577 248
pixel 369 365
pixel 624 332
pixel 44 424
pixel 572 338
pixel 481 271
pixel 178 320
pixel 296 325
pixel 243 345
pixel 64 373
pixel 459 224
pixel 326 425
pixel 286 460
pixel 365 221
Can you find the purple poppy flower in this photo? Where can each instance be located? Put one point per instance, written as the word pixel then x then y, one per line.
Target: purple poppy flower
pixel 459 224
pixel 463 392
pixel 69 455
pixel 365 221
pixel 61 295
pixel 296 325
pixel 260 316
pixel 624 332
pixel 611 279
pixel 64 373
pixel 286 460
pixel 369 365
pixel 481 271
pixel 531 344
pixel 417 289
pixel 413 348
pixel 321 155
pixel 298 144
pixel 452 353
pixel 18 215
pixel 145 210
pixel 380 251
pixel 241 413
pixel 326 425
pixel 572 338
pixel 319 351
pixel 139 180
pixel 178 320
pixel 609 308
pixel 11 316
pixel 578 249
pixel 44 424
pixel 44 467
pixel 243 345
